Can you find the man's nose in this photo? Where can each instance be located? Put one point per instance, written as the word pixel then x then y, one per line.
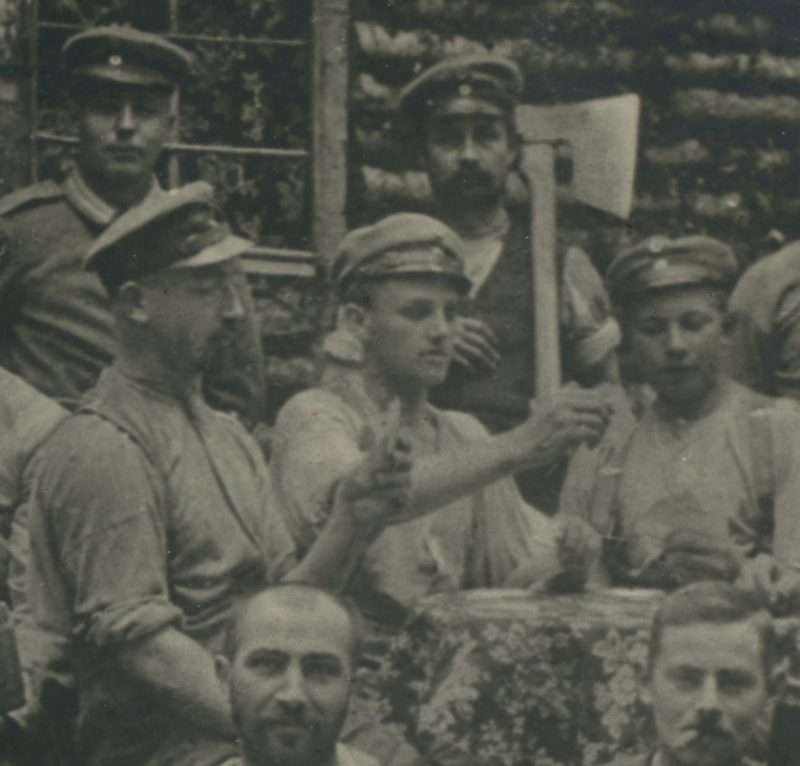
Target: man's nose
pixel 469 151
pixel 234 306
pixel 293 690
pixel 439 326
pixel 126 118
pixel 708 701
pixel 676 341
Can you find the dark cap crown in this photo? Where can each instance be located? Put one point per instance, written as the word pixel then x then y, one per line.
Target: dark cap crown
pixel 126 55
pixel 659 262
pixel 398 245
pixel 485 76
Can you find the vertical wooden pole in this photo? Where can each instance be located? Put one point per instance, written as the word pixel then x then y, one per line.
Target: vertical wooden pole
pixel 173 163
pixel 17 46
pixel 331 35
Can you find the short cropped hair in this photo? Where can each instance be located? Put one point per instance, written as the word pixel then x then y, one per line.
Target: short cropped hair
pixel 718 603
pixel 300 591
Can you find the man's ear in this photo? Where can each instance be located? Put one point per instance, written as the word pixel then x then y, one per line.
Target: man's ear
pixel 132 303
pixel 354 319
pixel 222 668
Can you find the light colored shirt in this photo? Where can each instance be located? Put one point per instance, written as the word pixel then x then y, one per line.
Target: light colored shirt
pixel 732 475
pixel 148 511
pixel 474 542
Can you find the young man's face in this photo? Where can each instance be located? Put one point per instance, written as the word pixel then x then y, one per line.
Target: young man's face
pixel 289 682
pixel 410 328
pixel 192 312
pixel 708 688
pixel 679 338
pixel 469 157
pixel 122 130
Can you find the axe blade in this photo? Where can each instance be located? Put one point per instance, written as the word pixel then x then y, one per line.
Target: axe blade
pixel 603 136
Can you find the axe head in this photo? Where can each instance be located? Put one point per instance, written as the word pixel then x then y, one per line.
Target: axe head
pixel 603 136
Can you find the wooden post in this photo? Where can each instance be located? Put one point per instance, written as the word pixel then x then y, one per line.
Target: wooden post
pixel 331 35
pixel 17 49
pixel 538 165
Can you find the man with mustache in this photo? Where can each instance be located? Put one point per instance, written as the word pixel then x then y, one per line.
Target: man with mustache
pixel 288 665
pixel 399 283
pixel 55 317
pixel 710 672
pixel 150 512
pixel 705 485
pixel 460 115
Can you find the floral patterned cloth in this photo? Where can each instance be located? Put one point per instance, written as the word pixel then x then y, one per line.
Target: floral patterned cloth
pixel 514 678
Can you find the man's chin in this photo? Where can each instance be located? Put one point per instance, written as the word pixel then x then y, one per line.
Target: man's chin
pixel 289 748
pixel 706 751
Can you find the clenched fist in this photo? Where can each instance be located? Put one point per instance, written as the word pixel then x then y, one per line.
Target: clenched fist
pixel 552 431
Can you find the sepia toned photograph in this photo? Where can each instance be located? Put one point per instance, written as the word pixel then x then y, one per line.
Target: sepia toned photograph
pixel 399 383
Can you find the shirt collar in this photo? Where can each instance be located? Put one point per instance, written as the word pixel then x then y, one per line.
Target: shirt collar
pixel 89 204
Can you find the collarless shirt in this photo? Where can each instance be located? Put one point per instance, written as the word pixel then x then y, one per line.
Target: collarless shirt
pixel 149 510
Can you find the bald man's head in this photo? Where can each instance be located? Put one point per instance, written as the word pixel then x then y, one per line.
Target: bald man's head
pixel 288 669
pixel 296 596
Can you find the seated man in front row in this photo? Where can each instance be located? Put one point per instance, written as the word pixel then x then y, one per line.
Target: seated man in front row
pixel 711 670
pixel 150 512
pixel 705 486
pixel 288 664
pixel 399 285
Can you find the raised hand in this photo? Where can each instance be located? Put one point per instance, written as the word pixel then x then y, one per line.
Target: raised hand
pixel 552 431
pixel 475 346
pixel 377 491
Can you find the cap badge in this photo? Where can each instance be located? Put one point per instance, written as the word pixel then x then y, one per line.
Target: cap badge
pixel 465 89
pixel 115 60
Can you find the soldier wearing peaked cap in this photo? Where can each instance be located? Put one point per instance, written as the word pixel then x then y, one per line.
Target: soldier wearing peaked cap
pixel 399 283
pixel 722 462
pixel 765 350
pixel 461 111
pixel 56 324
pixel 151 512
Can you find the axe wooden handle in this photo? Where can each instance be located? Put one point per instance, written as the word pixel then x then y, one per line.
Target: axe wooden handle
pixel 538 165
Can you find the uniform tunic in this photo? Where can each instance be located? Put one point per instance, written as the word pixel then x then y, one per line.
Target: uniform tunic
pixel 55 319
pixel 732 475
pixel 765 353
pixel 149 510
pixel 474 542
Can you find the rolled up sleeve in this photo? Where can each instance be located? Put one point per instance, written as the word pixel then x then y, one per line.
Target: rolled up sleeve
pixel 103 506
pixel 591 333
pixel 315 444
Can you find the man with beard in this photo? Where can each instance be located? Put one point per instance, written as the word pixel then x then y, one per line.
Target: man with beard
pixel 710 672
pixel 461 115
pixel 150 512
pixel 55 319
pixel 399 283
pixel 722 463
pixel 288 666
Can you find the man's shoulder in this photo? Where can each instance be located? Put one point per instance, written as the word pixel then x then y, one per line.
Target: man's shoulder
pixel 772 273
pixel 349 756
pixel 462 423
pixel 30 197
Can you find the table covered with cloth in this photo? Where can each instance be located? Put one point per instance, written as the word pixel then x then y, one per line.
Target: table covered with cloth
pixel 513 678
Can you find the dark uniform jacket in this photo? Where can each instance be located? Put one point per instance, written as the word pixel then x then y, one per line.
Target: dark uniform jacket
pixel 504 302
pixel 55 320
